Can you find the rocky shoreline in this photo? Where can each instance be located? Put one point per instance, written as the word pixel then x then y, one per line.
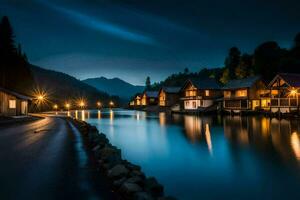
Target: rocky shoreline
pixel 126 179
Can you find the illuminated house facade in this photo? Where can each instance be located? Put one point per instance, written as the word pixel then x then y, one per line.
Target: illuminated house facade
pixel 168 96
pixel 285 93
pixel 138 100
pixel 199 94
pixel 149 98
pixel 12 103
pixel 245 94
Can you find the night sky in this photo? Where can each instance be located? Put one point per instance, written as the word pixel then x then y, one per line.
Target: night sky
pixel 132 39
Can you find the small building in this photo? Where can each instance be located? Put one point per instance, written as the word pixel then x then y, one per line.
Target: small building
pixel 150 98
pixel 285 93
pixel 13 103
pixel 245 94
pixel 132 102
pixel 168 96
pixel 138 100
pixel 200 94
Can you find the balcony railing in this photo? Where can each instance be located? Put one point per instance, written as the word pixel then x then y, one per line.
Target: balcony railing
pixel 285 102
pixel 236 104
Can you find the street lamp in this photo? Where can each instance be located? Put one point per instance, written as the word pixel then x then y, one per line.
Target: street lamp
pixel 40 98
pixel 67 106
pixel 111 104
pixel 55 107
pixel 81 104
pixel 99 104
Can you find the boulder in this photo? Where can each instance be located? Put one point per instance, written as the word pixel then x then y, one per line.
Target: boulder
pixel 118 171
pixel 132 166
pixel 130 188
pixel 142 196
pixel 93 129
pixel 119 182
pixel 137 173
pixel 135 179
pixel 107 152
pixel 153 187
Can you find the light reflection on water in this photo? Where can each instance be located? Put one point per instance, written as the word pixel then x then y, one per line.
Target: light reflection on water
pixel 203 157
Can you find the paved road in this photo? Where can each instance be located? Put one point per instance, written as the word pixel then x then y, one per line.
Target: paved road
pixel 45 159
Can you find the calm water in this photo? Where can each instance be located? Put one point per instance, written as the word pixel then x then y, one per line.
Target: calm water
pixel 209 157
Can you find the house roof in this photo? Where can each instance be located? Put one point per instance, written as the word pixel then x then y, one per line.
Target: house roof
pixel 292 80
pixel 151 94
pixel 171 89
pixel 242 83
pixel 203 84
pixel 17 95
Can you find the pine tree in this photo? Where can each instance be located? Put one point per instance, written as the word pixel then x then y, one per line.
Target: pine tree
pixel 232 61
pixel 7 44
pixel 15 72
pixel 148 83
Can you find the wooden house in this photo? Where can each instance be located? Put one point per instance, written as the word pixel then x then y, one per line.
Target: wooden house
pixel 199 94
pixel 168 96
pixel 150 98
pixel 138 100
pixel 245 94
pixel 285 93
pixel 12 103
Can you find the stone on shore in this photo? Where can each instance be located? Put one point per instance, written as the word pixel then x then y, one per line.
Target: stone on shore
pixel 135 179
pixel 130 188
pixel 142 196
pixel 118 171
pixel 137 173
pixel 119 182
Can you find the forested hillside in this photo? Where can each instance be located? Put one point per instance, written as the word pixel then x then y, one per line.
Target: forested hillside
pixel 267 60
pixel 17 74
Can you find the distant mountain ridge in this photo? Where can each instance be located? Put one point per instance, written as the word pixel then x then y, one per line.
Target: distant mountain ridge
pixel 115 86
pixel 63 87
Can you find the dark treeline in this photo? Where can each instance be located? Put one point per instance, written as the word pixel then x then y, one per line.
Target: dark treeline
pixel 267 60
pixel 14 69
pixel 19 75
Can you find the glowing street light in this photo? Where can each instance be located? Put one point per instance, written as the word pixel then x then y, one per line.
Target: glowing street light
pixel 67 106
pixel 98 104
pixel 40 97
pixel 111 104
pixel 55 107
pixel 81 104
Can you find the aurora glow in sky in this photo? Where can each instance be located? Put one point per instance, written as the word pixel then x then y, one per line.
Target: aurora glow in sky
pixel 132 39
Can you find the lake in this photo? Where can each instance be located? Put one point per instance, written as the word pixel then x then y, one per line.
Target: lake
pixel 208 157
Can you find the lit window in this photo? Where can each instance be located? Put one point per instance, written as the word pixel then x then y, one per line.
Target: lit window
pixel 190 93
pixel 206 92
pixel 227 93
pixel 241 93
pixel 12 104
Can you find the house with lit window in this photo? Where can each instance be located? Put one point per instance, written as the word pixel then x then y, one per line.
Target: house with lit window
pixel 285 93
pixel 168 96
pixel 149 98
pixel 13 103
pixel 245 94
pixel 138 100
pixel 199 94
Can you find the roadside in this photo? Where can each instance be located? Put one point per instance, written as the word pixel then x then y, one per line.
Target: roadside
pixel 45 159
pixel 6 121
